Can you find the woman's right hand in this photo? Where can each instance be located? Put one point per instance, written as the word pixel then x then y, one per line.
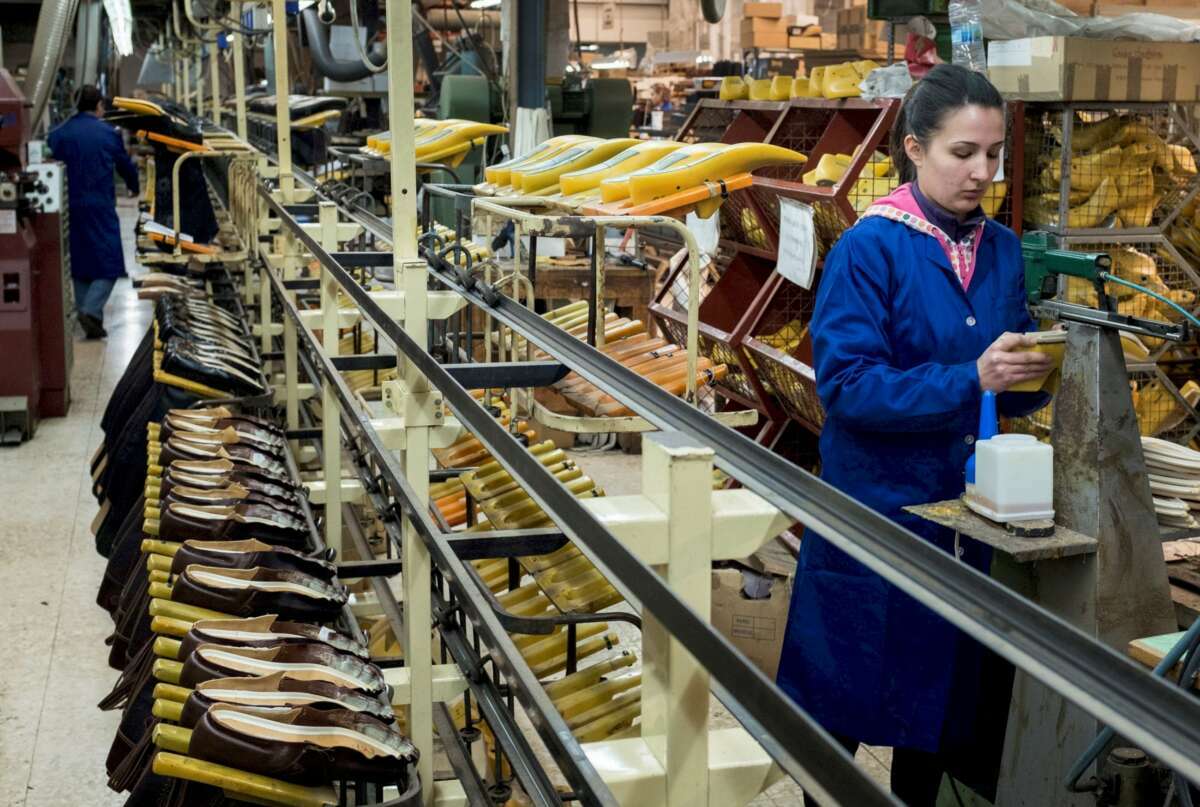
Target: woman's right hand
pixel 1002 365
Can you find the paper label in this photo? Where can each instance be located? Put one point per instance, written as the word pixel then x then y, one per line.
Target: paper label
pixel 1011 53
pixel 797 244
pixel 8 222
pixel 707 231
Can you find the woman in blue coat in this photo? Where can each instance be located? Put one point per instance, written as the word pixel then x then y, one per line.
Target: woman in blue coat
pixel 92 150
pixel 921 308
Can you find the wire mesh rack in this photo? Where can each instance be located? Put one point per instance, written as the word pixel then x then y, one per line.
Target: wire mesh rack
pixel 1151 261
pixel 1163 408
pixel 1100 167
pixel 723 316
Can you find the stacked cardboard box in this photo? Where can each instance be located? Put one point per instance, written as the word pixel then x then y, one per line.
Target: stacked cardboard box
pixel 765 26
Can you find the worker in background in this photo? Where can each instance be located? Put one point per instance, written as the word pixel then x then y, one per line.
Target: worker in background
pixel 921 308
pixel 92 150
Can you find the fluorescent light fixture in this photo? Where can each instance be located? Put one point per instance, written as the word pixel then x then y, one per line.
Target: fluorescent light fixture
pixel 485 3
pixel 590 47
pixel 615 64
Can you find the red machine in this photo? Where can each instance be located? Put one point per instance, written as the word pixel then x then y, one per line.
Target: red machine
pixel 35 289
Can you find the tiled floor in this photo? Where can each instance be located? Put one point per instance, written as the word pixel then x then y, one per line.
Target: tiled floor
pixel 53 662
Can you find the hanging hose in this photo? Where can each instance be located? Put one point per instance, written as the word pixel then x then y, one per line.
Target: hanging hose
pixel 358 42
pixel 1130 284
pixel 1189 641
pixel 327 66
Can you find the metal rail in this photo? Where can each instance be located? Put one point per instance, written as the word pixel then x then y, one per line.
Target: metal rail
pixel 801 747
pixel 1160 718
pixel 550 724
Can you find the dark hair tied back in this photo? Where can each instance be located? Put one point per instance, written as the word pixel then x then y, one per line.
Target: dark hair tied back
pixel 89 98
pixel 946 88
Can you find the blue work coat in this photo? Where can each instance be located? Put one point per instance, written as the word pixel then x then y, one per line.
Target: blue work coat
pixel 92 150
pixel 895 341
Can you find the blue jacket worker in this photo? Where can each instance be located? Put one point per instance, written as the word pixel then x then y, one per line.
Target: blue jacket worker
pixel 921 308
pixel 92 150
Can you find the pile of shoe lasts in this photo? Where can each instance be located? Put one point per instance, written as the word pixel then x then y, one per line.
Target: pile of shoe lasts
pixel 1141 268
pixel 833 81
pixel 1121 169
pixel 1174 473
pixel 879 178
pixel 438 141
pixel 626 341
pixel 598 702
pixel 576 170
pixel 177 133
pixel 239 658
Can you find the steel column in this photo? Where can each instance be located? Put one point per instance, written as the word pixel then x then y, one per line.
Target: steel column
pixel 283 120
pixel 239 75
pixel 331 440
pixel 214 54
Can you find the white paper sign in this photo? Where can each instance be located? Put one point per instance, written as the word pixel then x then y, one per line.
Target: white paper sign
pixel 8 221
pixel 707 231
pixel 1010 53
pixel 797 243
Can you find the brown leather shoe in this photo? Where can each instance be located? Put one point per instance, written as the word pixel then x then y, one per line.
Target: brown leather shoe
pixel 279 691
pixel 266 631
pixel 305 746
pixel 180 521
pixel 176 449
pixel 248 554
pixel 309 661
pixel 258 590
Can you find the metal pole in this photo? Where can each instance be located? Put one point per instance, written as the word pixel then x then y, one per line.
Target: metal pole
pixel 187 81
pixel 214 59
pixel 239 76
pixel 411 273
pixel 331 435
pixel 199 79
pixel 283 121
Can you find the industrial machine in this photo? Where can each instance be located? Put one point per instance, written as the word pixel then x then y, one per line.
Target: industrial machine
pixel 36 297
pixel 1045 265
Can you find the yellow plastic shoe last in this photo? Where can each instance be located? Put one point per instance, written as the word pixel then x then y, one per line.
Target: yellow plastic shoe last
pixel 830 168
pixel 738 158
pixel 781 88
pixel 760 89
pixel 631 159
pixel 802 88
pixel 539 176
pixel 864 66
pixel 733 89
pixel 617 187
pixel 498 174
pixel 841 81
pixel 816 81
pixel 454 135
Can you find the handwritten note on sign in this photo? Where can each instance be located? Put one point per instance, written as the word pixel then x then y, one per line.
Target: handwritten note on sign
pixel 797 243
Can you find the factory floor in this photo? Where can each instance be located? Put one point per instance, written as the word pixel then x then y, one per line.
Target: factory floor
pixel 53 662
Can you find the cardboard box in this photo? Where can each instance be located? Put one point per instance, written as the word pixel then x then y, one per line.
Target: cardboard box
pixel 1169 8
pixel 804 42
pixel 852 29
pixel 1084 8
pixel 761 25
pixel 765 10
pixel 771 41
pixel 755 627
pixel 1052 68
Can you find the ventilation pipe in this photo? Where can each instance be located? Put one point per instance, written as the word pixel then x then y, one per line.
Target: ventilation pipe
pixel 49 42
pixel 326 64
